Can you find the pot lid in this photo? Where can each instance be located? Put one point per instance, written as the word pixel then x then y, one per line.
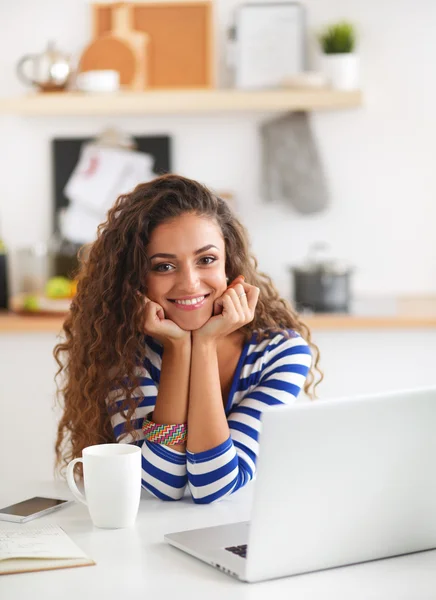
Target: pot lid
pixel 320 260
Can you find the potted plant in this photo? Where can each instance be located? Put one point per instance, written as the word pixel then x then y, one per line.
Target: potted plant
pixel 339 59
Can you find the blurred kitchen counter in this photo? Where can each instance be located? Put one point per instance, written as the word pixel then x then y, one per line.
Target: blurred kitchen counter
pixel 365 313
pixel 14 323
pixel 382 312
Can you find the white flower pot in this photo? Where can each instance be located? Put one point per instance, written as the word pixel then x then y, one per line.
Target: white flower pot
pixel 341 70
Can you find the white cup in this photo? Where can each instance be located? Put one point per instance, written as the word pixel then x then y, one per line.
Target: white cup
pixel 112 482
pixel 106 80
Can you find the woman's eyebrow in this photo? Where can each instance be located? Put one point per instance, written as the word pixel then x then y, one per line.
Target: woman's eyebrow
pixel 199 251
pixel 205 248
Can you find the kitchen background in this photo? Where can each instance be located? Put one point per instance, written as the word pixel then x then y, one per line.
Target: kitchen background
pixel 378 158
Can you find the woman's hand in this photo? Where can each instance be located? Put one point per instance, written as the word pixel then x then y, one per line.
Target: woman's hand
pixel 162 329
pixel 234 309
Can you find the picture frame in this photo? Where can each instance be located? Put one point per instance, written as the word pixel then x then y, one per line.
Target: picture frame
pixel 270 44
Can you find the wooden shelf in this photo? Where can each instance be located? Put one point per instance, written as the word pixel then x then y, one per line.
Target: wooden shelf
pixel 177 102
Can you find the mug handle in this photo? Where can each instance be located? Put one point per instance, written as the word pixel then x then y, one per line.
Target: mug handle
pixel 72 482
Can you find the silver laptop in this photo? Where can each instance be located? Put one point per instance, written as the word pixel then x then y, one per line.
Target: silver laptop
pixel 339 482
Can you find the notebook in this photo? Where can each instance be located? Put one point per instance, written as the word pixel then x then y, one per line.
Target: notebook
pixel 24 549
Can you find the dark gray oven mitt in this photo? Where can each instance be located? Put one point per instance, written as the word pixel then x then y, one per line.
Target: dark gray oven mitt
pixel 291 167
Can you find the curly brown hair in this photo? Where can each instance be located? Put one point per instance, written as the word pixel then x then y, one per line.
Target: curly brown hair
pixel 103 334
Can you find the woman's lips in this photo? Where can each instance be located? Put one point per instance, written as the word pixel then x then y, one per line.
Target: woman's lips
pixel 188 307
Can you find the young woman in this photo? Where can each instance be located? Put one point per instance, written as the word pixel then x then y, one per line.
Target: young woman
pixel 176 342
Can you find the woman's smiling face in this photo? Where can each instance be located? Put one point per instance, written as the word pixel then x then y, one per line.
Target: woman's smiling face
pixel 187 272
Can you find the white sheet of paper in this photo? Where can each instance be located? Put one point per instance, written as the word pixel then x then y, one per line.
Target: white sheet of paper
pixel 102 174
pixel 79 225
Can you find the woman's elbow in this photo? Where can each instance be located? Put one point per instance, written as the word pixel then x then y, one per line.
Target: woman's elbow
pixel 167 495
pixel 202 496
pixel 206 499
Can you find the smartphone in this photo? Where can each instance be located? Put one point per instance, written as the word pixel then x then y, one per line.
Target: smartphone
pixel 32 508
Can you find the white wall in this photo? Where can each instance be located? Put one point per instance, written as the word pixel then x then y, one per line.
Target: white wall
pixel 379 158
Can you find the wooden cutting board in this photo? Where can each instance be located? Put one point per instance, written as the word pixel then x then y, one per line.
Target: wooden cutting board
pixel 123 50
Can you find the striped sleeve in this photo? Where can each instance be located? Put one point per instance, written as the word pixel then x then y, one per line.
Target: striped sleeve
pixel 164 472
pixel 219 472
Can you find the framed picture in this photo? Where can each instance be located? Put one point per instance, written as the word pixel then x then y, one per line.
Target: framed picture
pixel 270 44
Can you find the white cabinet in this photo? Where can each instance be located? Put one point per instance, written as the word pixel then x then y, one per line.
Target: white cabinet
pixel 354 362
pixel 376 360
pixel 27 419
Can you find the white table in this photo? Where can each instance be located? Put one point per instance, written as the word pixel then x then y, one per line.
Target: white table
pixel 137 563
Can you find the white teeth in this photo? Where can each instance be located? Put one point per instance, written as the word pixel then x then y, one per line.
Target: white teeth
pixel 193 301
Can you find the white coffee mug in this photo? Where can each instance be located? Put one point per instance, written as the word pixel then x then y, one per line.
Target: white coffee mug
pixel 112 482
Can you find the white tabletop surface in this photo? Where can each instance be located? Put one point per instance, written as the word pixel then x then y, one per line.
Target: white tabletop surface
pixel 137 563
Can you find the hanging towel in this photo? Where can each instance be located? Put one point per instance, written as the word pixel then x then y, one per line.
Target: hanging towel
pixel 292 170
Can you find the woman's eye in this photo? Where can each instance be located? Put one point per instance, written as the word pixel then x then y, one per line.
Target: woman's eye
pixel 208 260
pixel 162 268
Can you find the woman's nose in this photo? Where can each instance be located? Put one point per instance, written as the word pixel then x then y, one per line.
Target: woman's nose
pixel 189 279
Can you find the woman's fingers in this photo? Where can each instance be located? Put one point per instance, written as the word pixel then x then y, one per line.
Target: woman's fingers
pixel 252 298
pixel 218 306
pixel 244 298
pixel 229 308
pixel 238 279
pixel 237 294
pixel 248 296
pixel 150 307
pixel 241 291
pixel 152 311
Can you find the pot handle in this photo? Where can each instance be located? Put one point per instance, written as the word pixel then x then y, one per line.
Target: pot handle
pixel 20 72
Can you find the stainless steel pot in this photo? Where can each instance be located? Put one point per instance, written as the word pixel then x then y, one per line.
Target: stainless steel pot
pixel 322 285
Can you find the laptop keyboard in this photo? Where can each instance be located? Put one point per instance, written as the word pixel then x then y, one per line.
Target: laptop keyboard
pixel 239 550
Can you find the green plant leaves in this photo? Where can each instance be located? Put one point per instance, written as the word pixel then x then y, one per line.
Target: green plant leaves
pixel 338 38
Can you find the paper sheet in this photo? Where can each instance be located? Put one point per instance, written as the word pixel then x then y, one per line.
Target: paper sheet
pixel 102 174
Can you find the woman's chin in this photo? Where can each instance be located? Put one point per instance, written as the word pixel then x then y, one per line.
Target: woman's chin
pixel 189 322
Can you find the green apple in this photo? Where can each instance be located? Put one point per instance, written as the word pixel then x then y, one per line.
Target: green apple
pixel 31 303
pixel 58 287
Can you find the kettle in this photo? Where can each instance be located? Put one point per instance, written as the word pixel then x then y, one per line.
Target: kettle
pixel 51 69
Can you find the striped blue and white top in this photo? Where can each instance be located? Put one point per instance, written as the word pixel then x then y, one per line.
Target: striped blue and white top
pixel 269 372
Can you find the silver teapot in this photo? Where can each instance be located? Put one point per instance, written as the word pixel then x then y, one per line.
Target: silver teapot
pixel 51 69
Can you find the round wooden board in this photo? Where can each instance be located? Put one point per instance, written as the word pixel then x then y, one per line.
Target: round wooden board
pixel 109 52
